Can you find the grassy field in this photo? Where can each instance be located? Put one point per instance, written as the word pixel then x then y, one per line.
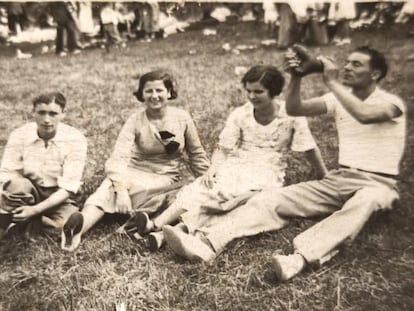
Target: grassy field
pixel 375 273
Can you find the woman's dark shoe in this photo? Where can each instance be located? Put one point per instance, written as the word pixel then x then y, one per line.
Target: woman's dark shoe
pixel 155 241
pixel 144 223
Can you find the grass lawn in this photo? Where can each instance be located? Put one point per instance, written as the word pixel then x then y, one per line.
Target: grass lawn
pixel 375 273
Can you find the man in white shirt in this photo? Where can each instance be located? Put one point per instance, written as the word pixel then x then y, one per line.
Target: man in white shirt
pixel 371 131
pixel 42 167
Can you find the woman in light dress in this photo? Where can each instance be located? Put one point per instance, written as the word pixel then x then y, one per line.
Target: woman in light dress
pixel 146 157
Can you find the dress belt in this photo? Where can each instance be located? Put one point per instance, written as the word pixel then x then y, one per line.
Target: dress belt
pixel 376 173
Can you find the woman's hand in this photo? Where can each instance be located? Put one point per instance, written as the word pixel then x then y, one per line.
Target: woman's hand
pixel 123 201
pixel 208 179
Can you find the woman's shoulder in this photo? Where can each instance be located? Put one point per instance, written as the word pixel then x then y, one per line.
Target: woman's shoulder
pixel 179 113
pixel 243 110
pixel 137 113
pixel 282 109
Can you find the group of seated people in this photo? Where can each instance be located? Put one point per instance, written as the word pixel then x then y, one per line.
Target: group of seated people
pixel 242 192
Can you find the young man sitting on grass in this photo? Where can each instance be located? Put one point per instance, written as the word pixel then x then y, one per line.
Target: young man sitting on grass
pixel 41 168
pixel 371 130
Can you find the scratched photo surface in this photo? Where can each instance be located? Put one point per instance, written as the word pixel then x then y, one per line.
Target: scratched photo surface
pixel 207 47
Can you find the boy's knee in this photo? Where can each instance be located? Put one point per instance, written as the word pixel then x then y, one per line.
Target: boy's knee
pixel 17 192
pixel 18 185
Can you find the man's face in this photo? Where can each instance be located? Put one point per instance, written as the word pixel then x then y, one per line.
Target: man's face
pixel 47 118
pixel 358 71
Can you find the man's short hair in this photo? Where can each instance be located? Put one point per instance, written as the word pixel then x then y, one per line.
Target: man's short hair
pixel 377 60
pixel 48 98
pixel 268 76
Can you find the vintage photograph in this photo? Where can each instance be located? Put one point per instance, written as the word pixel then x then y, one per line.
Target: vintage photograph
pixel 207 155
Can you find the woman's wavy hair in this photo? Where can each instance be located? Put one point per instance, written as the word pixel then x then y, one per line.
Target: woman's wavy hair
pixel 162 75
pixel 268 76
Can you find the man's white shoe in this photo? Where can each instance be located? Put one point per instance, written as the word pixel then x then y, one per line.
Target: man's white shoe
pixel 188 246
pixel 286 267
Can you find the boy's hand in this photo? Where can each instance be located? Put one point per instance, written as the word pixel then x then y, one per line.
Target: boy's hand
pixel 24 213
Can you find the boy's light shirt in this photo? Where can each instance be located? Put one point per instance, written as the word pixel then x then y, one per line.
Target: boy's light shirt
pixel 60 164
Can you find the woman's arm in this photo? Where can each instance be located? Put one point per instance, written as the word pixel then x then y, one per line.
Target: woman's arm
pixel 218 157
pixel 199 162
pixel 120 157
pixel 315 159
pixel 118 163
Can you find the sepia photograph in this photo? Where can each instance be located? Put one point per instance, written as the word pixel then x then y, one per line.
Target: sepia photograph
pixel 207 155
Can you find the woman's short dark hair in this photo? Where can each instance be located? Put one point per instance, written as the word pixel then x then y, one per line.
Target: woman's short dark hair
pixel 268 76
pixel 167 78
pixel 377 60
pixel 48 98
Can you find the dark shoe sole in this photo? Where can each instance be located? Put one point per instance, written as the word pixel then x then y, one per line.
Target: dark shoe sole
pixel 153 243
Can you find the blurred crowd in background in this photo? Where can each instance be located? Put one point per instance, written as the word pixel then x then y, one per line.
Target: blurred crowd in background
pixel 75 25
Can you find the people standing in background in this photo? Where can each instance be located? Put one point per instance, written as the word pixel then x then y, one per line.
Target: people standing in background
pixel 4 26
pixel 301 22
pixel 85 17
pixel 65 16
pixel 126 19
pixel 110 19
pixel 289 26
pixel 270 16
pixel 315 32
pixel 16 16
pixel 149 16
pixel 340 13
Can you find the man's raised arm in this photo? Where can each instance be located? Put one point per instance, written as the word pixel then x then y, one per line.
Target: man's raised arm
pixel 295 106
